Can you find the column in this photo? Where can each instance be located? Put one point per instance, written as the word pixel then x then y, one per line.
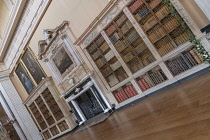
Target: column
pixel 19 110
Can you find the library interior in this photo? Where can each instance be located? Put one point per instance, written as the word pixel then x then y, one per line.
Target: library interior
pixel 104 70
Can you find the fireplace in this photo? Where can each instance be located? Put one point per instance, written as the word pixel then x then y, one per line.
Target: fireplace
pixel 86 100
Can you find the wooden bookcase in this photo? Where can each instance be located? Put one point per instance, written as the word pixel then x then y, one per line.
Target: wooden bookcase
pixel 151 78
pixel 47 114
pixel 106 61
pixel 149 44
pixel 160 26
pixel 129 44
pixel 48 111
pixel 184 61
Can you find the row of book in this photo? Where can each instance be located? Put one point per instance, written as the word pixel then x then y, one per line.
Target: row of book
pixel 180 63
pixel 106 71
pixel 142 13
pixel 110 29
pixel 115 65
pixel 121 19
pixel 100 62
pixel 121 74
pixel 135 65
pixel 134 6
pixel 140 48
pixel 162 12
pixel 63 126
pixel 120 45
pixel 114 37
pixel 99 40
pixel 91 48
pixel 112 80
pixel 145 19
pixel 125 93
pixel 170 23
pixel 47 135
pixel 126 27
pixel 96 54
pixel 177 65
pixel 196 56
pixel 182 38
pixel 151 78
pixel 164 46
pixel 109 55
pixel 104 47
pixel 150 23
pixel 146 57
pixel 156 33
pixel 132 36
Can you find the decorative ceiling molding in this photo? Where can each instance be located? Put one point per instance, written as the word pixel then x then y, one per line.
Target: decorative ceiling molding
pixel 30 18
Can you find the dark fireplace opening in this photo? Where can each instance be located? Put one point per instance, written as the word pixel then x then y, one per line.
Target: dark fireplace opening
pixel 89 104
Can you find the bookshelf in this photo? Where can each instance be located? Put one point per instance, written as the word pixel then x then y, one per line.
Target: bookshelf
pixel 48 115
pixel 129 44
pixel 184 61
pixel 150 44
pixel 106 61
pixel 125 92
pixel 160 26
pixel 151 78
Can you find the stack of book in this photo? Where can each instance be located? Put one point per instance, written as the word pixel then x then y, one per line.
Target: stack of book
pixel 164 46
pixel 115 65
pixel 106 71
pixel 110 29
pixel 140 48
pixel 120 45
pixel 142 13
pixel 170 23
pixel 154 3
pixel 114 37
pixel 96 54
pixel 156 33
pixel 104 47
pixel 130 91
pixel 129 56
pixel 101 62
pixel 177 65
pixel 132 36
pixel 190 59
pixel 121 74
pixel 113 80
pixel 120 96
pixel 135 65
pixel 100 40
pixel 151 78
pixel 162 12
pixel 150 23
pixel 109 55
pixel 121 19
pixel 91 48
pixel 181 38
pixel 135 5
pixel 126 27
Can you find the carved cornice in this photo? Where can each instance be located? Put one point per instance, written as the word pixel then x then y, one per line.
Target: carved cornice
pixel 25 29
pixel 43 46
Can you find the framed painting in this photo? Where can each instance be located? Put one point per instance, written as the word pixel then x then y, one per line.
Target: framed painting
pixel 63 61
pixel 24 78
pixel 33 67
